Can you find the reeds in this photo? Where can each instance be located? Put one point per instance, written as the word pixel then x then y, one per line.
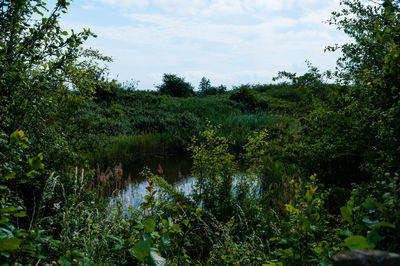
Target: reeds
pixel 130 148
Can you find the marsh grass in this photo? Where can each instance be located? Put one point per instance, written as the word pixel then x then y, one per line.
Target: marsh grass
pixel 127 149
pixel 238 126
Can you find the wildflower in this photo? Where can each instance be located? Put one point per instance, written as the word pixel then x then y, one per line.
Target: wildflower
pixel 57 205
pixel 75 234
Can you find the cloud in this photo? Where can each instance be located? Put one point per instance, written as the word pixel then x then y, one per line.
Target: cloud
pixel 88 7
pixel 222 7
pixel 228 41
pixel 126 3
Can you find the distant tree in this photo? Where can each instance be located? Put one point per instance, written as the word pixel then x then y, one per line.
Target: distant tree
pixel 204 86
pixel 244 94
pixel 221 89
pixel 175 86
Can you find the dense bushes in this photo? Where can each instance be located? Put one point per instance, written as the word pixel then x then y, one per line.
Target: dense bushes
pixel 252 201
pixel 175 86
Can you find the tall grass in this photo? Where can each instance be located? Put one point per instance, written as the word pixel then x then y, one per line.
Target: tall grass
pixel 238 127
pixel 130 148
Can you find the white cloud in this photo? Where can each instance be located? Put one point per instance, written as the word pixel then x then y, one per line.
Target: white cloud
pixel 228 41
pixel 126 3
pixel 89 7
pixel 222 7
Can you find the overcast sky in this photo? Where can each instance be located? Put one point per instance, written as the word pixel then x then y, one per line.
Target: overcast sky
pixel 231 42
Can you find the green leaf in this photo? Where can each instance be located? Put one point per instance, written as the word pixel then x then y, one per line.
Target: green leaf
pixel 156 260
pixel 20 214
pixel 346 233
pixel 36 162
pixel 118 242
pixel 165 241
pixel 14 137
pixel 142 249
pixel 149 225
pixel 347 214
pixel 357 242
pixel 384 224
pixel 10 176
pixel 10 244
pixel 370 223
pixel 175 228
pixel 63 261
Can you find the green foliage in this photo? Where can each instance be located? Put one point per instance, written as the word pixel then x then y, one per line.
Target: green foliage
pixel 36 67
pixel 247 96
pixel 371 66
pixel 205 88
pixel 372 212
pixel 175 86
pixel 214 167
pixel 304 236
pixel 249 208
pixel 18 167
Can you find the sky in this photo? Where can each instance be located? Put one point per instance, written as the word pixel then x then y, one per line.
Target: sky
pixel 230 42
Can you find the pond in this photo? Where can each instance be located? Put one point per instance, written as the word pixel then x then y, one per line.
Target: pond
pixel 130 190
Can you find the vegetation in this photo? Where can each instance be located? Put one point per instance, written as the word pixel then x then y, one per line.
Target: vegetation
pixel 286 174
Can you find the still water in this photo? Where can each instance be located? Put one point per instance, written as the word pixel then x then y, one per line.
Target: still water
pixel 174 169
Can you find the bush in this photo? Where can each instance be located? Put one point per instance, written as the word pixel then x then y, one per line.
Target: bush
pixel 247 96
pixel 175 86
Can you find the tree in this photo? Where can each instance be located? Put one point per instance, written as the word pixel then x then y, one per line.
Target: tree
pixel 371 65
pixel 45 75
pixel 39 66
pixel 175 86
pixel 356 136
pixel 204 86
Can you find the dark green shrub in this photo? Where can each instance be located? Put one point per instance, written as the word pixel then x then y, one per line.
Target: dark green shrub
pixel 175 86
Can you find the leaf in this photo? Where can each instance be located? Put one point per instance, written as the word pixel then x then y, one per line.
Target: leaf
pixel 357 242
pixel 36 162
pixel 20 214
pixel 156 260
pixel 347 214
pixel 10 176
pixel 346 233
pixel 384 224
pixel 149 225
pixel 175 228
pixel 142 249
pixel 370 223
pixel 5 233
pixel 14 137
pixel 118 242
pixel 63 261
pixel 10 244
pixel 165 241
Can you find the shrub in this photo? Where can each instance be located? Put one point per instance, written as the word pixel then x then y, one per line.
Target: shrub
pixel 175 86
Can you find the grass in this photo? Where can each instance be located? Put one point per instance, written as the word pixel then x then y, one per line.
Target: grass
pixel 134 147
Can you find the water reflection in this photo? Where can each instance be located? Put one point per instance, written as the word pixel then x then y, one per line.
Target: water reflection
pixel 132 187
